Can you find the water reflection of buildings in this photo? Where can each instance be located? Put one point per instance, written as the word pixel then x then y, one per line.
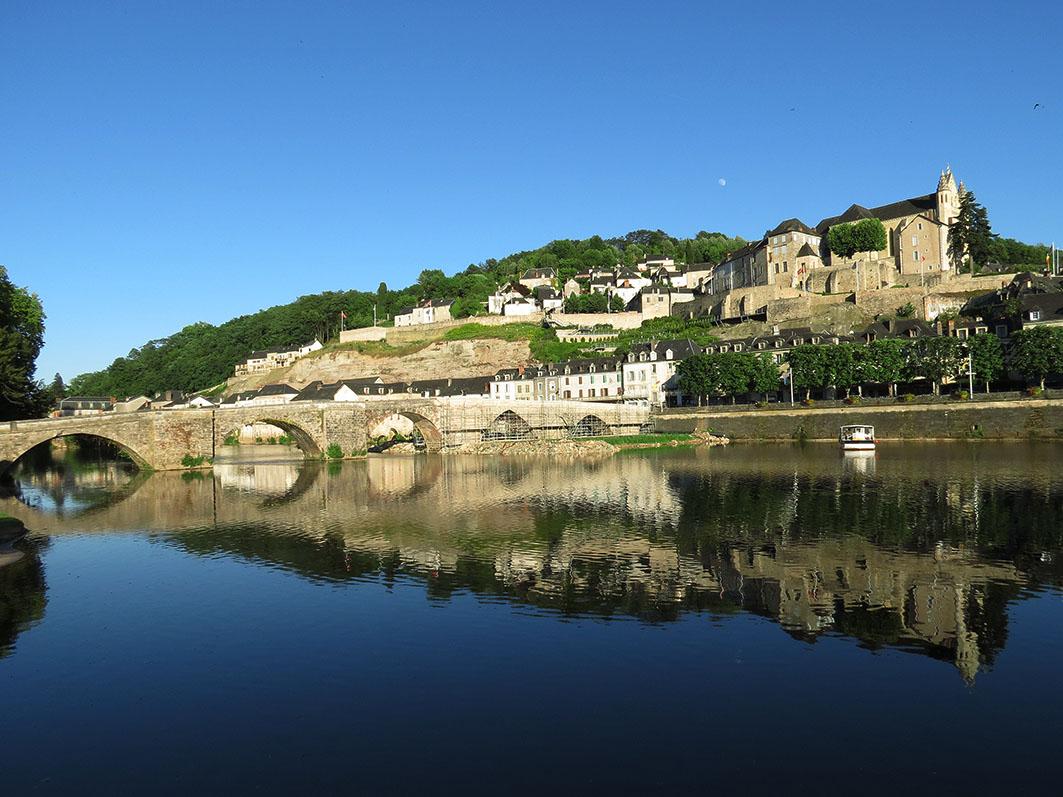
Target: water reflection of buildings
pixel 813 545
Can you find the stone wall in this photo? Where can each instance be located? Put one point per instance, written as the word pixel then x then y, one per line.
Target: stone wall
pixel 995 420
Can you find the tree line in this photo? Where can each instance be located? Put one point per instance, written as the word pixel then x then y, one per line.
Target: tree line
pixel 203 355
pixel 1036 353
pixel 21 338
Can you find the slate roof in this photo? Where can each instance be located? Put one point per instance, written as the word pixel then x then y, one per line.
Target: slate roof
pixel 539 273
pixel 806 250
pixel 279 389
pixel 926 204
pixel 545 292
pixel 748 249
pixel 791 225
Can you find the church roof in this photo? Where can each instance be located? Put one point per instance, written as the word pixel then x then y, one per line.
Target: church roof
pixel 895 210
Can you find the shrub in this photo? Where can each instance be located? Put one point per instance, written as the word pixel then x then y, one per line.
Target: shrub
pixel 232 439
pixel 908 397
pixel 285 440
pixel 192 462
pixel 961 395
pixel 760 404
pixel 272 441
pixel 1033 391
pixel 808 402
pixel 906 310
pixel 334 451
pixel 852 400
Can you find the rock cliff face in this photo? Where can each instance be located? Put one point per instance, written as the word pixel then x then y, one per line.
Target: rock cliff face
pixel 439 360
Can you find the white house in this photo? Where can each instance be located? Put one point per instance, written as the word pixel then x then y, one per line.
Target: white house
pixel 496 302
pixel 649 366
pixel 519 306
pixel 571 380
pixel 534 277
pixel 427 312
pixel 547 298
pixel 277 357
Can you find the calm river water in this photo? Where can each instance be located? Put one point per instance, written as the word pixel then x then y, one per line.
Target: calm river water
pixel 746 618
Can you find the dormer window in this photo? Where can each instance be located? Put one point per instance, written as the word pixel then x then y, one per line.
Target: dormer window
pixel 738 347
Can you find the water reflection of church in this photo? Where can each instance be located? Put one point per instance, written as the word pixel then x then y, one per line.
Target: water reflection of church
pixel 629 536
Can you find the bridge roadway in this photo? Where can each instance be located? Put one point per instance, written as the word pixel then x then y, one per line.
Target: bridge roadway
pixel 162 439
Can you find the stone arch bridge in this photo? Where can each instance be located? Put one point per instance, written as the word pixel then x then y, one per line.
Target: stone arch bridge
pixel 162 439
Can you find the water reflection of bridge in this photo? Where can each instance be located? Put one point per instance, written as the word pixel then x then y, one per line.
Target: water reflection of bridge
pixel 645 536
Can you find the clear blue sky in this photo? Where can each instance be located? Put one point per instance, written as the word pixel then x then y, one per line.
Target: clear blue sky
pixel 164 163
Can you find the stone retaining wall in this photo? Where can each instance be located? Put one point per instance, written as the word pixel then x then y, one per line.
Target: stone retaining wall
pixel 999 420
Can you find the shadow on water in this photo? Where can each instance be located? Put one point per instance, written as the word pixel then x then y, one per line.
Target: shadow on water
pixel 22 588
pixel 919 548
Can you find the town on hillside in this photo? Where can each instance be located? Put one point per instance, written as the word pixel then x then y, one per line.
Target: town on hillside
pixel 895 262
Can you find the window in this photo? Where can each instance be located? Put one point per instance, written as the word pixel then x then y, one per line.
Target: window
pixel 1002 330
pixel 1035 315
pixel 915 240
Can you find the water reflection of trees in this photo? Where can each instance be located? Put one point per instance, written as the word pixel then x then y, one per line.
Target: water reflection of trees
pixel 22 591
pixel 921 555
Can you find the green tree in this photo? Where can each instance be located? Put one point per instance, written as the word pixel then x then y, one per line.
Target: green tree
pixel 1037 352
pixel 21 338
pixel 987 357
pixel 884 362
pixel 57 389
pixel 764 375
pixel 866 235
pixel 936 359
pixel 970 236
pixel 616 304
pixel 736 371
pixel 840 240
pixel 869 235
pixel 699 376
pixel 808 367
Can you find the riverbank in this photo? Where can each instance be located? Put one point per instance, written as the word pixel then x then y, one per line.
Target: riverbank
pixel 587 448
pixel 1012 419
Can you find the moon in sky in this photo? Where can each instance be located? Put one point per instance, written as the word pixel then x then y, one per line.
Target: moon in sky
pixel 722 182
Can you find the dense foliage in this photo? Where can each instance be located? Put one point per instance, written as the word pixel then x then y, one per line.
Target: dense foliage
pixel 1038 352
pixel 202 355
pixel 866 235
pixel 593 303
pixel 1009 252
pixel 971 236
pixel 21 338
pixel 727 374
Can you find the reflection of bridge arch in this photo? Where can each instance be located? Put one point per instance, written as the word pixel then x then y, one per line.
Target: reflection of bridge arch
pixel 114 436
pixel 299 436
pixel 507 426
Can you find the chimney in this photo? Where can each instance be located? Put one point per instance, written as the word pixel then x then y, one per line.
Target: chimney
pixel 520 370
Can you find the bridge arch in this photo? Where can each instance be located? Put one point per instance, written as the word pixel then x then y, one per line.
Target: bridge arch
pixel 302 438
pixel 589 426
pixel 507 426
pixel 10 459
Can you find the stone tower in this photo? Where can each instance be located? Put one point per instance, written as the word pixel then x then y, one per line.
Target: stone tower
pixel 948 209
pixel 948 197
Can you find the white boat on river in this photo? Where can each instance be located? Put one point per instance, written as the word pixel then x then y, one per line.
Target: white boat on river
pixel 857 437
